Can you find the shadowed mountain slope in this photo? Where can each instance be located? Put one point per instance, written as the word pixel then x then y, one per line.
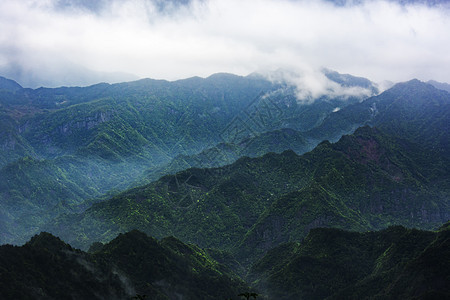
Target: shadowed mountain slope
pixel 395 263
pixel 131 264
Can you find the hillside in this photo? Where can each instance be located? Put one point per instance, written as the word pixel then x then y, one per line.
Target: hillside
pixel 257 215
pixel 424 109
pixel 276 141
pixel 365 181
pixel 329 263
pixel 85 150
pixel 368 180
pixel 101 139
pixel 395 263
pixel 413 110
pixel 131 264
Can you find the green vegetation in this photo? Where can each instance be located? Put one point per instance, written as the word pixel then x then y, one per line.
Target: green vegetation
pixel 395 263
pixel 366 181
pixel 226 153
pixel 132 264
pixel 212 163
pixel 83 143
pixel 102 139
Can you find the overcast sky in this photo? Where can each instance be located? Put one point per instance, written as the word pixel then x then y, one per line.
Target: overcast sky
pixel 59 40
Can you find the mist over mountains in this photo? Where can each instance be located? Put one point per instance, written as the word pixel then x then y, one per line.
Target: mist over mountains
pixel 80 143
pixel 73 42
pixel 244 172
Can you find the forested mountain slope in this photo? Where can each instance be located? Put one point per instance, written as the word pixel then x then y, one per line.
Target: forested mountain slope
pixel 368 180
pixel 98 140
pixel 393 172
pixel 412 110
pixel 328 264
pixel 132 264
pixel 395 263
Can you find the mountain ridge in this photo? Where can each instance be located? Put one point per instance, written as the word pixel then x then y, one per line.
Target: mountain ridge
pixel 336 264
pixel 246 192
pixel 131 129
pixel 257 213
pixel 131 264
pixel 329 263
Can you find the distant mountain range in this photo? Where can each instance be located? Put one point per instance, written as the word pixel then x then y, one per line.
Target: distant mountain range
pixel 368 180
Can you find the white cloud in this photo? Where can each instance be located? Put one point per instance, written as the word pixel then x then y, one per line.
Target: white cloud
pixel 377 39
pixel 311 84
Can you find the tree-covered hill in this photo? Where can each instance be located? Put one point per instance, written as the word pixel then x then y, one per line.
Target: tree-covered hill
pixel 367 180
pixel 178 117
pixel 132 264
pixel 395 263
pixel 9 85
pixel 60 147
pixel 414 110
pixel 276 141
pixel 47 268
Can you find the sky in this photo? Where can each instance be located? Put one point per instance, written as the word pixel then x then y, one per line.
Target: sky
pixel 79 42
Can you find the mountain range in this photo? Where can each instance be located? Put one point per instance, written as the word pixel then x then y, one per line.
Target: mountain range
pixel 329 263
pixel 367 180
pixel 226 185
pixel 64 148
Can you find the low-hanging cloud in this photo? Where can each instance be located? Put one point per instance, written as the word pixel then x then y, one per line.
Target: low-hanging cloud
pixel 381 40
pixel 311 84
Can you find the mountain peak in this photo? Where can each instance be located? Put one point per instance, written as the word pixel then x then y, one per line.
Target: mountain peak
pixel 348 80
pixel 415 81
pixel 440 85
pixel 412 86
pixel 132 240
pixel 9 85
pixel 48 241
pixel 416 92
pixel 223 75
